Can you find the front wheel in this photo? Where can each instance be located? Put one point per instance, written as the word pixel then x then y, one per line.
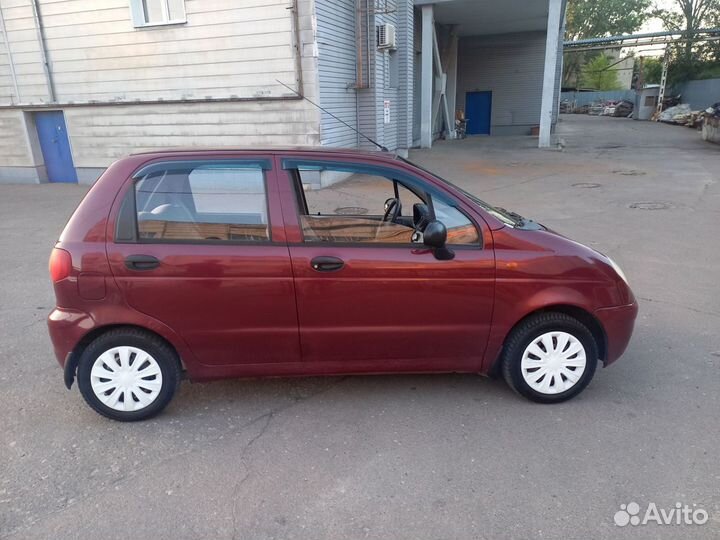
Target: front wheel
pixel 549 358
pixel 128 375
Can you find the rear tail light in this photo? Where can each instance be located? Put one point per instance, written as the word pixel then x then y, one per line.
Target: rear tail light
pixel 60 264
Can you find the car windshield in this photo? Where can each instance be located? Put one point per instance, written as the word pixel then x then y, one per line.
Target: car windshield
pixel 508 218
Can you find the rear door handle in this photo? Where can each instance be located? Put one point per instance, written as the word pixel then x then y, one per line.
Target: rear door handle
pixel 327 264
pixel 141 262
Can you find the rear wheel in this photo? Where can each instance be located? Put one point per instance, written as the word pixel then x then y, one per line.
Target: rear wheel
pixel 128 374
pixel 549 358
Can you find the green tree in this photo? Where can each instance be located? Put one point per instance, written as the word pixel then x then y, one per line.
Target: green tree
pixel 599 18
pixel 598 74
pixel 697 59
pixel 690 16
pixel 652 69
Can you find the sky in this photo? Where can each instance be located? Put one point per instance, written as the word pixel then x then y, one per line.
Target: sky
pixel 655 25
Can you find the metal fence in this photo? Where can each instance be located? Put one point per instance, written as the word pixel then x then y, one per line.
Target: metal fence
pixel 587 98
pixel 700 94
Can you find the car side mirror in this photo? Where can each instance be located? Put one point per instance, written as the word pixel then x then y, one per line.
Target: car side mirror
pixel 435 237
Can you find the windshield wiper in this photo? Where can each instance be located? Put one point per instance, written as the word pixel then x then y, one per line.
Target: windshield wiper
pixel 519 220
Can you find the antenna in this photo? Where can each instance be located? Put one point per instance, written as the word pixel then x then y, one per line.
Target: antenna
pixel 380 146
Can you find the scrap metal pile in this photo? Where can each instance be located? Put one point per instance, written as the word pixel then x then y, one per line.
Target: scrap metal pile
pixel 681 115
pixel 617 108
pixel 711 124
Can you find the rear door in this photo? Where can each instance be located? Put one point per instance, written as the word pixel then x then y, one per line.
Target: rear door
pixel 370 296
pixel 200 246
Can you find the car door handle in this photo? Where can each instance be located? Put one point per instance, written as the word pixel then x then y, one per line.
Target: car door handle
pixel 327 264
pixel 141 262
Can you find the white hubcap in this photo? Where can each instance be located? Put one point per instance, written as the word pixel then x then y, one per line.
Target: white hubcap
pixel 126 378
pixel 553 362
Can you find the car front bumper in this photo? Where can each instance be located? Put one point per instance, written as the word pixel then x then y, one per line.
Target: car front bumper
pixel 618 323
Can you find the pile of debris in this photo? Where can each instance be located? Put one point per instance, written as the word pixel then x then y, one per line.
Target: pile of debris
pixel 617 108
pixel 711 124
pixel 682 115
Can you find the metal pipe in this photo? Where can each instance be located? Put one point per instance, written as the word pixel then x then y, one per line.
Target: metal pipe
pixel 13 75
pixel 369 44
pixel 643 44
pixel 359 49
pixel 626 37
pixel 43 50
pixel 297 45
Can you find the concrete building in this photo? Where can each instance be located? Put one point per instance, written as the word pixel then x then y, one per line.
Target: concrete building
pixel 84 82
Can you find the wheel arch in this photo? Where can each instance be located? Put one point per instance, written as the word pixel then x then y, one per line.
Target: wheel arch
pixel 73 358
pixel 576 312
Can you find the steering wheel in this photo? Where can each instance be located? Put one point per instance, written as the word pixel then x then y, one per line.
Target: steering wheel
pixel 392 209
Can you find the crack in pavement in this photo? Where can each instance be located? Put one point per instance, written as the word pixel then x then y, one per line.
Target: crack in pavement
pixel 236 489
pixel 243 455
pixel 694 310
pixel 136 472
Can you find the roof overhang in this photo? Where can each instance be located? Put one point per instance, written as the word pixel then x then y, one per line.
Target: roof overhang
pixel 487 17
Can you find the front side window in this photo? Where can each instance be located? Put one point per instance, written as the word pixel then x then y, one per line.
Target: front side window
pixel 157 12
pixel 202 202
pixel 352 206
pixel 459 227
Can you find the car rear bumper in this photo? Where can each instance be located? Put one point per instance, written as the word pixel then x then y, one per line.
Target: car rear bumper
pixel 67 327
pixel 618 323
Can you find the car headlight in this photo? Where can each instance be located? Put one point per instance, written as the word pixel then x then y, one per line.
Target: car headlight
pixel 618 270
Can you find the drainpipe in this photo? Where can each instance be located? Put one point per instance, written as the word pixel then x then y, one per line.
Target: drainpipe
pixel 298 46
pixel 43 50
pixel 13 75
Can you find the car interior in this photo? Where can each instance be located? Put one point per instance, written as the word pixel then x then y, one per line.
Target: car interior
pixel 180 205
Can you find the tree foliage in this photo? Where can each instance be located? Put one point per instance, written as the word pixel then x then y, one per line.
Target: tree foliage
pixel 598 74
pixel 690 16
pixel 652 70
pixel 600 18
pixel 693 59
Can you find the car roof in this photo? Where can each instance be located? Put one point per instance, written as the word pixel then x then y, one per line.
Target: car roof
pixel 310 150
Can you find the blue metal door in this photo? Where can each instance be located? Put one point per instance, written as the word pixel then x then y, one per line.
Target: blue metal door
pixel 478 111
pixel 55 146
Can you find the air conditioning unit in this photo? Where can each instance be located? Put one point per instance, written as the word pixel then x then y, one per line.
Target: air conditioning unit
pixel 386 37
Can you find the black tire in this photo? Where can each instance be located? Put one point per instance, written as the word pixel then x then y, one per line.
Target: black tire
pixel 529 330
pixel 163 354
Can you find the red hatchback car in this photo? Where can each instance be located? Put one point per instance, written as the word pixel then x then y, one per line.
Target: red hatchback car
pixel 245 263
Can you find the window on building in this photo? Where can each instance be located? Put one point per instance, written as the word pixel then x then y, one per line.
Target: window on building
pixel 208 202
pixel 157 12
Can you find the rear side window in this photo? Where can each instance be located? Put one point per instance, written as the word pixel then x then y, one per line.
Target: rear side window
pixel 202 202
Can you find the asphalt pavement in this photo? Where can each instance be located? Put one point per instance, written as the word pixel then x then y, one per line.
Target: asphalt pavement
pixel 395 457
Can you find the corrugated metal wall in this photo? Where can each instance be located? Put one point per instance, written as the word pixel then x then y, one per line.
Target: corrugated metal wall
pixel 511 66
pixel 701 94
pixel 390 76
pixel 337 70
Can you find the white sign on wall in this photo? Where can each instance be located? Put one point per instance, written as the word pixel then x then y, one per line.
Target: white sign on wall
pixel 386 111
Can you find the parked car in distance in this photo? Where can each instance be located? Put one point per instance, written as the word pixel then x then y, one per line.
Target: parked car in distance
pixel 247 263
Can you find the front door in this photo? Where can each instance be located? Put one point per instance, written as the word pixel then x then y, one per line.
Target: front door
pixel 55 146
pixel 478 111
pixel 370 296
pixel 208 258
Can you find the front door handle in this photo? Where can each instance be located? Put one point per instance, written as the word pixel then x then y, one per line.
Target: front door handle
pixel 327 264
pixel 141 262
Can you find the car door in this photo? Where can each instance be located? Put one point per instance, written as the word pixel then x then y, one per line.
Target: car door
pixel 370 297
pixel 200 246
